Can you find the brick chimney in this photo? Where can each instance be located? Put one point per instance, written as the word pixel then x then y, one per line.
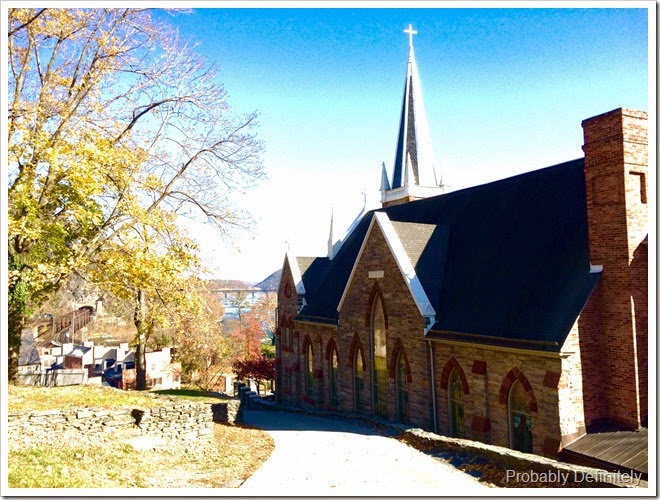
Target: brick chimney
pixel 616 174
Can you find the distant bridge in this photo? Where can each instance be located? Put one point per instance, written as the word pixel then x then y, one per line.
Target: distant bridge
pixel 227 292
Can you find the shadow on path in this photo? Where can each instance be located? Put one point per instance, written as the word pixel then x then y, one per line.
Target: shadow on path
pixel 281 420
pixel 317 455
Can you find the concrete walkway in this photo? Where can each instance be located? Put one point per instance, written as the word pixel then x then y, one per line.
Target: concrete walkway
pixel 334 456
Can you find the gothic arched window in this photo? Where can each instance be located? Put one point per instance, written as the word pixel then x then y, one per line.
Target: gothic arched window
pixel 401 389
pixel 334 386
pixel 520 419
pixel 358 380
pixel 379 364
pixel 456 408
pixel 309 371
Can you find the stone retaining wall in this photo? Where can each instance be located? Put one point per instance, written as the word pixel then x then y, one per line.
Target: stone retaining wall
pixel 250 400
pixel 226 412
pixel 523 469
pixel 173 420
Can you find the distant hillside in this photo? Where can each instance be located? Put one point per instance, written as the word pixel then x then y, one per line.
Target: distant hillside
pixel 231 284
pixel 270 283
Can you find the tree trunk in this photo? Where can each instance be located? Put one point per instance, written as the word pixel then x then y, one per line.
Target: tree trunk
pixel 139 318
pixel 16 307
pixel 140 367
pixel 16 323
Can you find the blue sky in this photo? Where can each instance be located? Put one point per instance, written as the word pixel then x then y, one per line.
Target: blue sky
pixel 505 91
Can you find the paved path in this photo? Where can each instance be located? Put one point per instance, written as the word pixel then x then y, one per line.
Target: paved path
pixel 331 456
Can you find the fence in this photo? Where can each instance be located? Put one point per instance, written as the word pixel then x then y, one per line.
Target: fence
pixel 54 378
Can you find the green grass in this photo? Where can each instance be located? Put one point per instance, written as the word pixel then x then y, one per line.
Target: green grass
pixel 196 395
pixel 60 466
pixel 233 454
pixel 24 398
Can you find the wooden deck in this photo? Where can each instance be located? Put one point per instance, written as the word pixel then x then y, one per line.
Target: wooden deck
pixel 612 449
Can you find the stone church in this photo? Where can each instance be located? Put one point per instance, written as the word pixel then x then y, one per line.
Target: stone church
pixel 513 313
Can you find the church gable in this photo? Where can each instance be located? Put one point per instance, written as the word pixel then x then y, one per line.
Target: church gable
pixel 287 295
pixel 417 237
pixel 381 313
pixel 325 279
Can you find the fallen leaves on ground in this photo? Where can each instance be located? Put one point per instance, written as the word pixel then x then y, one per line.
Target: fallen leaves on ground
pixel 105 461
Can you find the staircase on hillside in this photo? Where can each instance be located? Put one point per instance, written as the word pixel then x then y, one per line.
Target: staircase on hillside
pixel 65 328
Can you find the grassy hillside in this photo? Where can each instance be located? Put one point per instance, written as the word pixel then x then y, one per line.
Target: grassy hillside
pixel 25 398
pixel 105 460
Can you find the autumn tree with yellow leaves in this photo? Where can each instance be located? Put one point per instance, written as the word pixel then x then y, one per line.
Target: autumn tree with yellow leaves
pixel 115 129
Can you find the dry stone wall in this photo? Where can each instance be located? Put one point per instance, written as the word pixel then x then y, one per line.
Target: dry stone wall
pixel 226 413
pixel 174 420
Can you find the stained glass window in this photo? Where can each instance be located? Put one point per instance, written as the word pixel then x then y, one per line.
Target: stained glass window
pixel 309 371
pixel 358 374
pixel 378 338
pixel 456 407
pixel 520 418
pixel 334 389
pixel 402 390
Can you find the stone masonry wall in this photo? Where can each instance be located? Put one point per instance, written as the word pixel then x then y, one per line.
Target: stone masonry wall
pixel 321 338
pixel 173 420
pixel 488 373
pixel 287 355
pixel 227 412
pixel 570 391
pixel 404 326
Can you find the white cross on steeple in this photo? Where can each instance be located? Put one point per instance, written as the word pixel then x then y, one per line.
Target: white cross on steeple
pixel 410 32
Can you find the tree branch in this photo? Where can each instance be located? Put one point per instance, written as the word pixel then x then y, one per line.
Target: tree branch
pixel 26 24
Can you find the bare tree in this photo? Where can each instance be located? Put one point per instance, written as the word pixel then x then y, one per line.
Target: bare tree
pixel 265 310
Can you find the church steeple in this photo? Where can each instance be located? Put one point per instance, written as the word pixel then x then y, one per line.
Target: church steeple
pixel 414 175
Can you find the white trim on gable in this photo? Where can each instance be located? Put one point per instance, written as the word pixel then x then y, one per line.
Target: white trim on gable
pixel 405 267
pixel 297 276
pixel 295 273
